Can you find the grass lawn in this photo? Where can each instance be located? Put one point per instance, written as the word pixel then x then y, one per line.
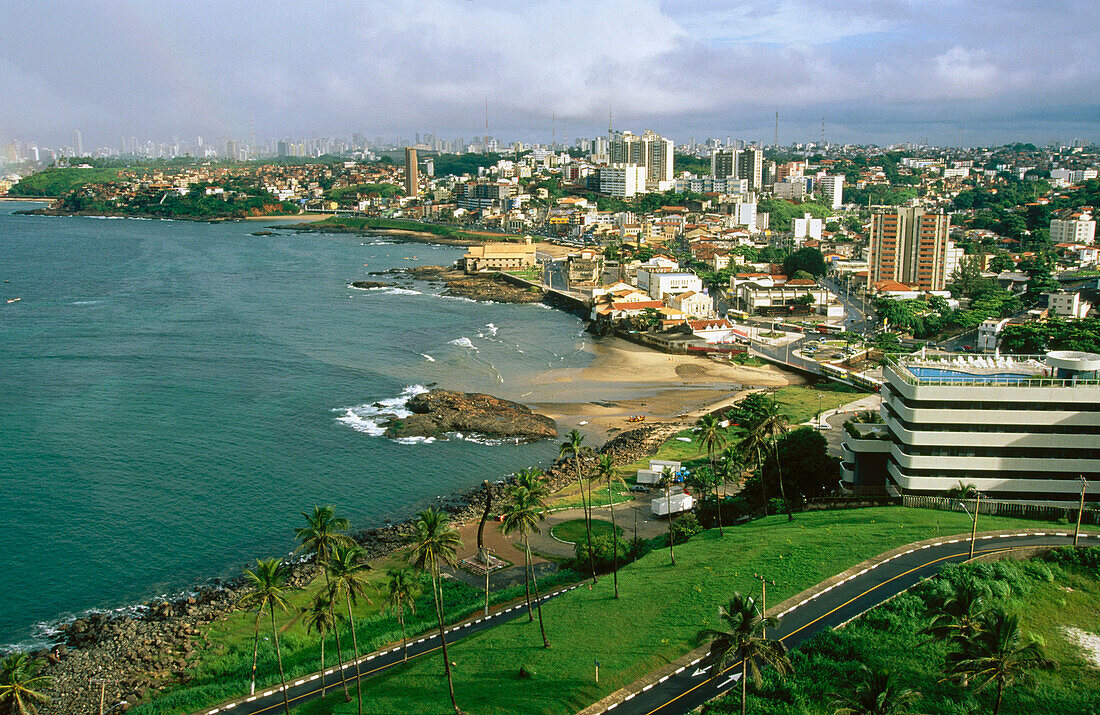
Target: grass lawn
pixel 655 620
pixel 801 404
pixel 1045 596
pixel 573 530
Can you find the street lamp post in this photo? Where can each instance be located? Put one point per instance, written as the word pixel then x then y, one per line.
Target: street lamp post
pixel 763 596
pixel 1080 510
pixel 974 529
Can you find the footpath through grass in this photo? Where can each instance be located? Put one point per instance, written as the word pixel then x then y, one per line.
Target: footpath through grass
pixel 654 622
pixel 1048 598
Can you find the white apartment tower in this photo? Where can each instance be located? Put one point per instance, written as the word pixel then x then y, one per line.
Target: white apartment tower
pixel 1078 228
pixel 649 150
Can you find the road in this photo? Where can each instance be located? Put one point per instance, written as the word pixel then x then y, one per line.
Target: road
pixel 270 700
pixel 690 687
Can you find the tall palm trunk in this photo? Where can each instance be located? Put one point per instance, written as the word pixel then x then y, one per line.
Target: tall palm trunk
pixel 587 521
pixel 782 491
pixel 668 506
pixel 279 658
pixel 614 541
pixel 438 594
pixel 744 682
pixel 763 485
pixel 1000 694
pixel 339 648
pixel 527 586
pixel 322 666
pixel 255 651
pixel 355 655
pixel 404 640
pixel 535 585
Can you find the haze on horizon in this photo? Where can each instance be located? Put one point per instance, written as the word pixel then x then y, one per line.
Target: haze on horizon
pixel 877 71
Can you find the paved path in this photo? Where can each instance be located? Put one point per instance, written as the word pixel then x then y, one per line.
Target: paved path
pixel 306 688
pixel 648 526
pixel 687 686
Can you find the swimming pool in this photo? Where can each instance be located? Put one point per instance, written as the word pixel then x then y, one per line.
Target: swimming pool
pixel 936 373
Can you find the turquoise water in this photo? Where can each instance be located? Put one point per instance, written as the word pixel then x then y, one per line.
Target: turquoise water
pixel 963 376
pixel 173 393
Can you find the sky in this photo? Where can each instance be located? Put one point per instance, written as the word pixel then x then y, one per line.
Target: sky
pixel 951 72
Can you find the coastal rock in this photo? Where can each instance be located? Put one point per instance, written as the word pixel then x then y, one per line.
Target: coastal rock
pixel 494 288
pixel 438 412
pixel 425 270
pixel 370 284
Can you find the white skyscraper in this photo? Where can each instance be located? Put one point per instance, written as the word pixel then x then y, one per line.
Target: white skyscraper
pixel 78 143
pixel 832 188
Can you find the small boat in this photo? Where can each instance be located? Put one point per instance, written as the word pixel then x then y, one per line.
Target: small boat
pixel 636 418
pixel 13 300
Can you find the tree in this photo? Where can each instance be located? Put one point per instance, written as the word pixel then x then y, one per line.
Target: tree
pixel 729 469
pixel 402 588
pixel 320 535
pixel 751 447
pixel 665 481
pixel 956 616
pixel 772 426
pixel 711 435
pixel 878 693
pixel 267 589
pixel 810 260
pixel 320 619
pixel 810 471
pixel 21 685
pixel 997 655
pixel 605 471
pixel 346 571
pixel 523 514
pixel 573 448
pixel 435 543
pixel 742 632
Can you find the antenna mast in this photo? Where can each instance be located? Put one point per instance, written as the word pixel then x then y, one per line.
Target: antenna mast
pixel 776 145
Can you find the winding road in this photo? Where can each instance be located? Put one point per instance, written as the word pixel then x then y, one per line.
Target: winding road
pixel 830 606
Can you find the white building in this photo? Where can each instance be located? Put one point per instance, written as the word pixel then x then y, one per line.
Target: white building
pixel 660 285
pixel 807 227
pixel 832 189
pixel 1079 228
pixel 697 305
pixel 793 189
pixel 989 333
pixel 1068 305
pixel 623 181
pixel 1016 428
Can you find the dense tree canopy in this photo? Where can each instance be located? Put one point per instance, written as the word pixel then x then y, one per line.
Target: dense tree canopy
pixel 809 260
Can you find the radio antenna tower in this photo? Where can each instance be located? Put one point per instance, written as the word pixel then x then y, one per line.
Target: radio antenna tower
pixel 823 132
pixel 776 145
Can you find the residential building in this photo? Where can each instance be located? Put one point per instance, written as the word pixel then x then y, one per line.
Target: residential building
pixel 831 189
pixel 793 189
pixel 623 181
pixel 723 163
pixel 412 174
pixel 1016 428
pixel 750 165
pixel 473 195
pixel 499 257
pixel 651 151
pixel 989 333
pixel 757 299
pixel 807 227
pixel 911 246
pixel 697 305
pixel 1077 228
pixel 1069 305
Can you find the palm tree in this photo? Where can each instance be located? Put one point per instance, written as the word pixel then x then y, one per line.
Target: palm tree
pixel 752 447
pixel 267 589
pixel 347 574
pixel 402 589
pixel 523 514
pixel 958 615
pixel 998 654
pixel 605 470
pixel 878 694
pixel 21 685
pixel 729 469
pixel 771 425
pixel 665 481
pixel 743 633
pixel 434 542
pixel 319 537
pixel 320 619
pixel 534 481
pixel 574 449
pixel 712 436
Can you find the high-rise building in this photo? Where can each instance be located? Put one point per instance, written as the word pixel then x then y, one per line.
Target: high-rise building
pixel 232 150
pixel 1076 228
pixel 832 189
pixel 412 173
pixel 912 247
pixel 78 143
pixel 1019 428
pixel 750 164
pixel 723 164
pixel 649 150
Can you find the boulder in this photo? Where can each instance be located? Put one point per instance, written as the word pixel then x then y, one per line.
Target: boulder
pixel 439 412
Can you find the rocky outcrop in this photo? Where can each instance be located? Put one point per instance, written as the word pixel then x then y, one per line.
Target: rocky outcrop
pixel 370 284
pixel 492 288
pixel 439 412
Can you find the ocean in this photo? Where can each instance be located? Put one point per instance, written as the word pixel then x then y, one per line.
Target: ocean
pixel 173 393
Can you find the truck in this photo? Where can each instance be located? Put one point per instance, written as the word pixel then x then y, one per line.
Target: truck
pixel 674 504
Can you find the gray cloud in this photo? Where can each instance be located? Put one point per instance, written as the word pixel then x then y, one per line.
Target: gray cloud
pixel 878 70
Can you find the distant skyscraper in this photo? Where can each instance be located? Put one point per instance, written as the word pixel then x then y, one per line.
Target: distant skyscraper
pixel 232 152
pixel 832 188
pixel 750 164
pixel 912 247
pixel 412 173
pixel 723 163
pixel 650 150
pixel 78 143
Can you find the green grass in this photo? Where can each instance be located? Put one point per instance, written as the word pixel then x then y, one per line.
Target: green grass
pixel 1046 597
pixel 655 620
pixel 801 404
pixel 55 182
pixel 347 223
pixel 573 531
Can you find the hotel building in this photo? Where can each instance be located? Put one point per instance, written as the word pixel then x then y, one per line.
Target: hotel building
pixel 1017 428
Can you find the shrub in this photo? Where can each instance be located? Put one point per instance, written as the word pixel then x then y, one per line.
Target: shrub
pixel 603 552
pixel 685 527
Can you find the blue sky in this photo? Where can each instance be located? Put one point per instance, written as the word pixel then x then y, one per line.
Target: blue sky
pixel 876 70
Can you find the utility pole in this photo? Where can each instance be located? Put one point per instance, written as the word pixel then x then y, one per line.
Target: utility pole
pixel 1080 510
pixel 974 529
pixel 763 596
pixel 776 145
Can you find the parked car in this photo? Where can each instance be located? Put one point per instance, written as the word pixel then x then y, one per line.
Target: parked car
pixel 639 488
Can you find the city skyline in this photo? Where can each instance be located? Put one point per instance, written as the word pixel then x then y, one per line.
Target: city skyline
pixel 933 70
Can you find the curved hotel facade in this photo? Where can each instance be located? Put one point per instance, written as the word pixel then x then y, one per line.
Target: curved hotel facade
pixel 1017 428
